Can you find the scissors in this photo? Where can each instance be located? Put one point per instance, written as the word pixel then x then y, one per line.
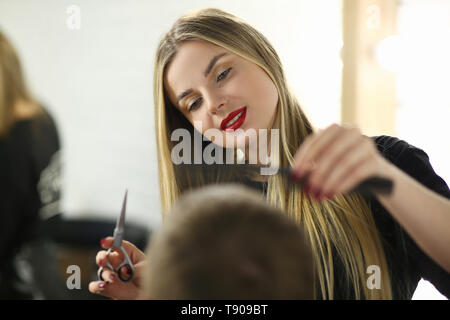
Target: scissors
pixel 117 245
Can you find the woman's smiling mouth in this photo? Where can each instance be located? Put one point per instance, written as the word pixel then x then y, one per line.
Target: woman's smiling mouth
pixel 234 120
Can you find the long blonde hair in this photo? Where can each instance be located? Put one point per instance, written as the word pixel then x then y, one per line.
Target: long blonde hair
pixel 343 225
pixel 12 84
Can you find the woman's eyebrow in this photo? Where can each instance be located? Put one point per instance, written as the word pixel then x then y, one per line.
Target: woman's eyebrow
pixel 205 73
pixel 213 62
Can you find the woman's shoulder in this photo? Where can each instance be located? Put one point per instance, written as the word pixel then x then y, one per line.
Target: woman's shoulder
pixel 391 147
pixel 36 133
pixel 412 160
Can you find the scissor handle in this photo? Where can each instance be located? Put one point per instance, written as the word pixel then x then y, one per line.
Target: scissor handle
pixel 126 263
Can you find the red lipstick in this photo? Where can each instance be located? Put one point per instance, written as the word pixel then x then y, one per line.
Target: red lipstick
pixel 237 123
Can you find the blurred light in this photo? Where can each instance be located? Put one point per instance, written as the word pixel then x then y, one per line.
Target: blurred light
pixel 389 53
pixel 425 54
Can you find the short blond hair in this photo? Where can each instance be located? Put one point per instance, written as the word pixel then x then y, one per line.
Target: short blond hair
pixel 226 242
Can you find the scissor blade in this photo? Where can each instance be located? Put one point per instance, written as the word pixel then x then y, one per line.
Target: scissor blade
pixel 121 220
pixel 120 224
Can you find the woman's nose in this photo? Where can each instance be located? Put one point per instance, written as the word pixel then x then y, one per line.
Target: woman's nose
pixel 214 104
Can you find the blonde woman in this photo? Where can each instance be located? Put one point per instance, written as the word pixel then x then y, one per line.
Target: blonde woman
pixel 29 172
pixel 215 71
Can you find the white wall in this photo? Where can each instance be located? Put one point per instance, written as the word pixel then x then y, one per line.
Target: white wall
pixel 423 110
pixel 97 82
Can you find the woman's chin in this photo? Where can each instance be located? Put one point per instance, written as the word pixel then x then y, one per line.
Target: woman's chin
pixel 237 139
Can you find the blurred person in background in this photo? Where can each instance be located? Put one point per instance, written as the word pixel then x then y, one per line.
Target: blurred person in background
pixel 29 180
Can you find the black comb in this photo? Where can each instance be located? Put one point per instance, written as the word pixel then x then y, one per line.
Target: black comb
pixel 367 187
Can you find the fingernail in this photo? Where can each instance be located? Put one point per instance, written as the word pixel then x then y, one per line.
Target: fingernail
pixel 127 270
pixel 316 195
pixel 112 276
pixel 102 285
pixel 308 189
pixel 300 172
pixel 294 176
pixel 102 241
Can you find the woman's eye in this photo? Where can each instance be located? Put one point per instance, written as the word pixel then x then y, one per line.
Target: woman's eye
pixel 223 75
pixel 197 102
pixel 194 105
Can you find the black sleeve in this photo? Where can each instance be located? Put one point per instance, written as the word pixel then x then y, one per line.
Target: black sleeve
pixel 15 189
pixel 47 162
pixel 29 181
pixel 415 163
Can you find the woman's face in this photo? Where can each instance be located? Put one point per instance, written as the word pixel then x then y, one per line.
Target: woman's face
pixel 212 87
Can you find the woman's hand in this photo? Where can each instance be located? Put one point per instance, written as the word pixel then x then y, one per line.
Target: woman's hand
pixel 336 160
pixel 111 286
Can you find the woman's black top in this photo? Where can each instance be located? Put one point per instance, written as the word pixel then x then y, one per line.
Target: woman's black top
pixel 407 262
pixel 29 190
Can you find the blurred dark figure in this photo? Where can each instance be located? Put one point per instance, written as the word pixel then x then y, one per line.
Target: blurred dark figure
pixel 29 182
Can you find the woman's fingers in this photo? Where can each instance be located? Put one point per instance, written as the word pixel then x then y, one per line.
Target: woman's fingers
pixel 352 179
pixel 117 290
pixel 313 147
pixel 116 257
pixel 333 183
pixel 336 160
pixel 333 158
pixel 134 253
pixel 97 287
pixel 107 242
pixel 110 285
pixel 107 275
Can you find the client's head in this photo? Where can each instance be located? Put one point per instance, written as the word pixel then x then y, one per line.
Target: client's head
pixel 226 242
